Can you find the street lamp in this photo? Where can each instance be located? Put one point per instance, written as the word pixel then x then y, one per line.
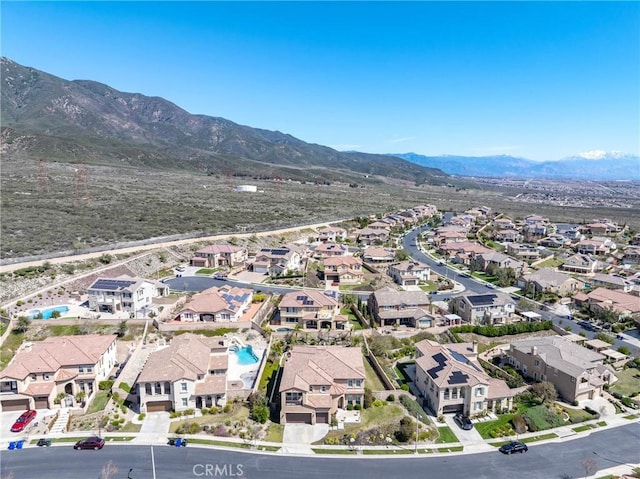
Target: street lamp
pixel 418 419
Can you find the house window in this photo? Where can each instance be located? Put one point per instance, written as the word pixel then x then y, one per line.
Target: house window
pixel 358 383
pixel 454 394
pixel 158 390
pixel 80 369
pixel 183 387
pixel 89 369
pixel 185 402
pixel 479 392
pixel 446 393
pixel 537 363
pixel 323 389
pixel 478 406
pixel 167 388
pixel 310 389
pixel 147 389
pixel 34 376
pixel 46 376
pixel 350 383
pixel 293 398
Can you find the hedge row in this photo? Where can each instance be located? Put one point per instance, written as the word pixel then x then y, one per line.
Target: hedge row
pixel 504 330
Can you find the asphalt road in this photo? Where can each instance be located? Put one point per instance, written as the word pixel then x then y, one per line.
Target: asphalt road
pixel 552 460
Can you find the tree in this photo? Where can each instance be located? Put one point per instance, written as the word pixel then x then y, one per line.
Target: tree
pixel 544 391
pixel 260 414
pixel 368 398
pixel 404 433
pixel 122 328
pixel 624 350
pixel 23 324
pixel 402 255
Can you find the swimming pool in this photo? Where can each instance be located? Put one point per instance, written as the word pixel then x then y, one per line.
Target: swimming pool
pixel 46 313
pixel 245 355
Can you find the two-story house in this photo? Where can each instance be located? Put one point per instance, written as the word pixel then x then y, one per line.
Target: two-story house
pixel 580 263
pixel 577 372
pixel 277 261
pixel 325 250
pixel 377 254
pixel 311 310
pixel 219 305
pixel 332 234
pixel 368 236
pixel 219 255
pixel 391 307
pixel 67 366
pixel 343 269
pixel 189 373
pixel 124 293
pixel 547 280
pixel 319 380
pixel 409 273
pixel 488 308
pixel 451 380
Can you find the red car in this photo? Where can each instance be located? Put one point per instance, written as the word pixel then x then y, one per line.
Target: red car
pixel 93 442
pixel 24 419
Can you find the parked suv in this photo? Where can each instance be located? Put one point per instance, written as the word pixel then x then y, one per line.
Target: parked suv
pixel 463 421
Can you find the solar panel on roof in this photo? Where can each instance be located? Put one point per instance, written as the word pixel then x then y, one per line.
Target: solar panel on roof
pixel 482 299
pixel 441 360
pixel 458 377
pixel 112 284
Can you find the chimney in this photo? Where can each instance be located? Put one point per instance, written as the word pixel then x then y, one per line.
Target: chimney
pixel 534 350
pixel 474 347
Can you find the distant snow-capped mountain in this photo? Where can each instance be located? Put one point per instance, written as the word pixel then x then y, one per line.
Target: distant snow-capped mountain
pixel 589 165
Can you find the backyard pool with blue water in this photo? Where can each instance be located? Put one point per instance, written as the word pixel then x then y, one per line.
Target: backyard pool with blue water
pixel 245 355
pixel 48 312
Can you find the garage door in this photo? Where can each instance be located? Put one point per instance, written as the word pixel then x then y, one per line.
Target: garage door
pixel 15 405
pixel 156 406
pixel 299 418
pixel 453 408
pixel 322 418
pixel 42 402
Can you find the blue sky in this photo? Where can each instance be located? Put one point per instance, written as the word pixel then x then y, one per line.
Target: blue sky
pixel 542 80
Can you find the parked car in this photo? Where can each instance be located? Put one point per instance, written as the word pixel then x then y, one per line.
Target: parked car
pixel 514 446
pixel 180 268
pixel 463 421
pixel 93 442
pixel 44 442
pixel 23 421
pixel 221 276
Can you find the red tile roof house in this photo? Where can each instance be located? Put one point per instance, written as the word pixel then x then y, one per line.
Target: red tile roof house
pixel 219 255
pixel 624 304
pixel 367 236
pixel 68 365
pixel 319 380
pixel 275 261
pixel 220 305
pixel 581 263
pixel 451 380
pixel 343 269
pixel 311 310
pixel 409 273
pixel 190 373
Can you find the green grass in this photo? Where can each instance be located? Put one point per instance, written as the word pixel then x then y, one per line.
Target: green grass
pixel 9 347
pixel 355 324
pixel 400 370
pixel 119 438
pixel 385 452
pixel 208 332
pixel 451 449
pixel 99 402
pixel 541 437
pixel 578 415
pixel 333 451
pixel 205 271
pixel 601 423
pixel 269 370
pixel 429 286
pixel 550 263
pixel 632 416
pixel 628 382
pixel 274 433
pixel 372 417
pixel 584 427
pixel 445 435
pixel 130 427
pixel 372 380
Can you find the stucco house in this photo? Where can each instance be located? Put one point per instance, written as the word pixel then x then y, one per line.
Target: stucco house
pixel 409 273
pixel 343 269
pixel 377 254
pixel 277 261
pixel 218 305
pixel 319 380
pixel 124 293
pixel 406 308
pixel 488 308
pixel 451 380
pixel 577 373
pixel 189 373
pixel 219 255
pixel 59 365
pixel 580 263
pixel 325 250
pixel 547 280
pixel 311 310
pixel 332 234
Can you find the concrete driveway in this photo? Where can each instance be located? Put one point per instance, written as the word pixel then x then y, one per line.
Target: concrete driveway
pixel 471 439
pixel 297 438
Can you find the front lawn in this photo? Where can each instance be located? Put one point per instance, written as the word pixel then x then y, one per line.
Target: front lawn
pixel 238 412
pixel 206 271
pixel 370 418
pixel 274 432
pixel 628 382
pixel 429 286
pixel 9 347
pixel 446 435
pixel 99 402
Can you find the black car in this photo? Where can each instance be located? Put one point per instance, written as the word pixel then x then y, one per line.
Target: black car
pixel 463 421
pixel 93 442
pixel 514 446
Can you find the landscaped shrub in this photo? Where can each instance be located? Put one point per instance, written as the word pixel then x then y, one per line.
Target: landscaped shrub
pixel 226 408
pixel 413 408
pixel 391 398
pixel 507 329
pixel 105 385
pixel 260 413
pixel 125 387
pixel 404 387
pixel 141 416
pixel 377 403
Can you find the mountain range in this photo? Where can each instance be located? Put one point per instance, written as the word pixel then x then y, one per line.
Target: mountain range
pixel 593 165
pixel 47 117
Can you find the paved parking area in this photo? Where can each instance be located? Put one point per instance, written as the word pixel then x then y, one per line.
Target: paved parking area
pixel 471 439
pixel 297 438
